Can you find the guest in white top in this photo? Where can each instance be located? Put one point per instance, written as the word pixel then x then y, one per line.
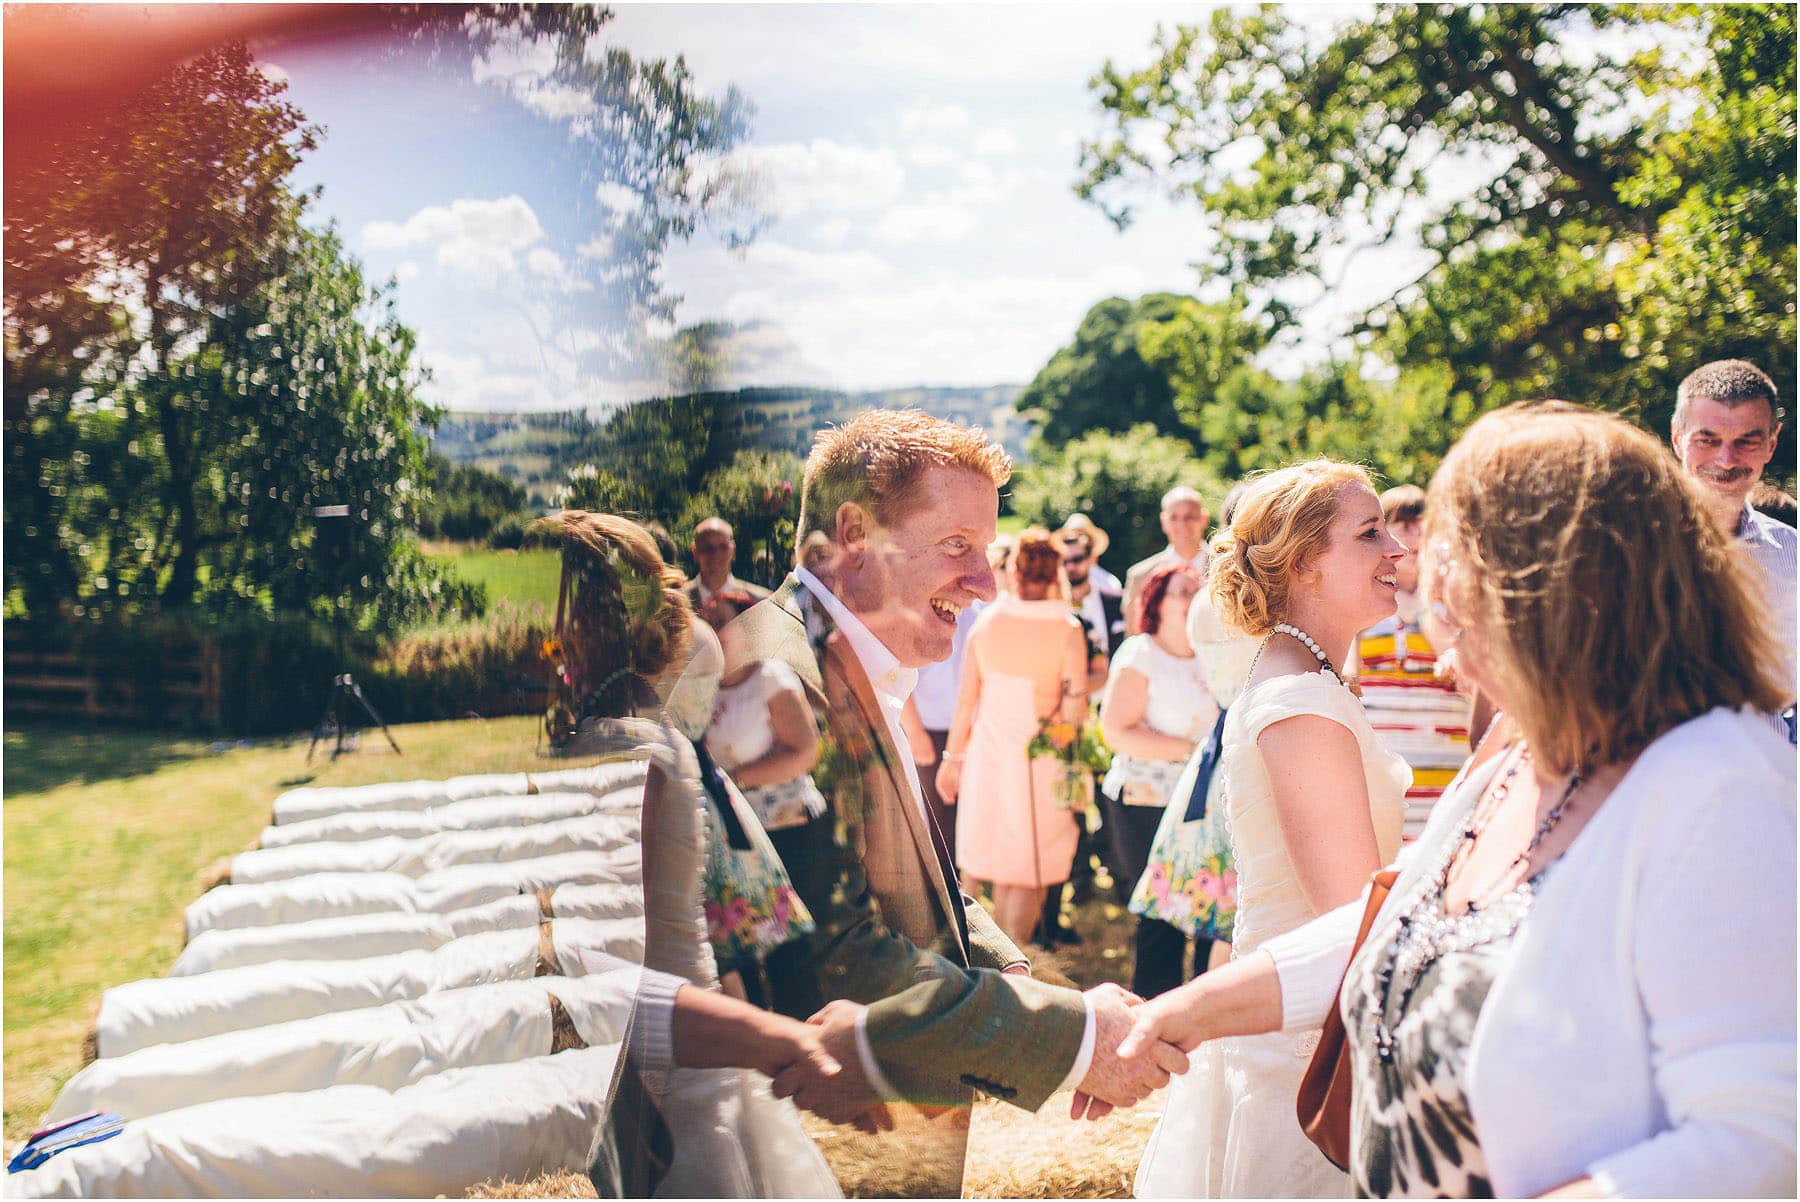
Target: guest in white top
pixel 1517 1021
pixel 1725 430
pixel 1155 711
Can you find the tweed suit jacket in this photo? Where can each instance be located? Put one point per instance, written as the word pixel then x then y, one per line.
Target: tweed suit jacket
pixel 895 933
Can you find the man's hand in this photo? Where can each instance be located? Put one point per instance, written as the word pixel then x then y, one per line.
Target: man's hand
pixel 1112 1081
pixel 843 1095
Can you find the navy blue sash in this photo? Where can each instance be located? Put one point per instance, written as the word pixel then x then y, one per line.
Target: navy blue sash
pixel 1209 763
pixel 712 778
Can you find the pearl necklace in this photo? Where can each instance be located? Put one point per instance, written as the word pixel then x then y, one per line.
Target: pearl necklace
pixel 1306 640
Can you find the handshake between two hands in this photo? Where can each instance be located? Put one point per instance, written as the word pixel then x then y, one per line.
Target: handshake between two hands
pixel 1137 1045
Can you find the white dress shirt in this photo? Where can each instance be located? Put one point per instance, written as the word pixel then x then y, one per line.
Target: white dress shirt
pixel 1772 545
pixel 893 684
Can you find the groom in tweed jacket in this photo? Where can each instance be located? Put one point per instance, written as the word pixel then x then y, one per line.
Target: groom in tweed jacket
pixel 931 1000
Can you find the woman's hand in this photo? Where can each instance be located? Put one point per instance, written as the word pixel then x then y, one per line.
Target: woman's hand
pixel 949 779
pixel 1176 1017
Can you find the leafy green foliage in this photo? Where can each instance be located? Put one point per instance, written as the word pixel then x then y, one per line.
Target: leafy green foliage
pixel 1633 211
pixel 189 371
pixel 1118 480
pixel 468 504
pixel 1101 381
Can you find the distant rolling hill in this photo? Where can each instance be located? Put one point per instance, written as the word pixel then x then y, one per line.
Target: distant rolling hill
pixel 536 450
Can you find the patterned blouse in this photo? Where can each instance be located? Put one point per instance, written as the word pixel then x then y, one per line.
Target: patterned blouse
pixel 1411 1009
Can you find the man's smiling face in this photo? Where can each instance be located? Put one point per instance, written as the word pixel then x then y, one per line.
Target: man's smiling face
pixel 929 566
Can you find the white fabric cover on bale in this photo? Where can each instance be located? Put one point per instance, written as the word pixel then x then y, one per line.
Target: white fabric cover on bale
pixel 175 1009
pixel 300 805
pixel 597 901
pixel 437 1137
pixel 341 894
pixel 389 1046
pixel 478 813
pixel 353 938
pixel 420 857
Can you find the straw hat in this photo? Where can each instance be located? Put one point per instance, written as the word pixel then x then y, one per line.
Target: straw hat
pixel 1080 526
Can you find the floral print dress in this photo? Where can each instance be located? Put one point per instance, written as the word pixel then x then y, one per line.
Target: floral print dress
pixel 750 904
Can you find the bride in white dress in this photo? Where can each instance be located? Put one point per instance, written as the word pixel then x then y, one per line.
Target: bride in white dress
pixel 1314 803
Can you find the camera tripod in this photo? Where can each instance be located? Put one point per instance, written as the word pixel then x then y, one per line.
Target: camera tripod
pixel 344 692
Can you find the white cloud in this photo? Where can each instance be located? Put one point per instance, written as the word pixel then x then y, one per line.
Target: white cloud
pixel 820 175
pixel 929 154
pixel 618 198
pixel 559 101
pixel 995 143
pixel 926 117
pixel 273 73
pixel 924 223
pixel 842 268
pixel 408 270
pixel 597 247
pixel 834 232
pixel 514 60
pixel 547 264
pixel 479 237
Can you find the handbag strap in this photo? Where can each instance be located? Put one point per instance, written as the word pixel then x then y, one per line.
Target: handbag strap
pixel 1380 885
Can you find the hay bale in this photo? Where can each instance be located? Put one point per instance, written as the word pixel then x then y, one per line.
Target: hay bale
pixel 564 1184
pixel 546 956
pixel 563 1035
pixel 215 874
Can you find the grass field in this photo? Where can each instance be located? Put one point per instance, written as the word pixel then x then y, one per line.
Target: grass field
pixel 107 833
pixel 522 577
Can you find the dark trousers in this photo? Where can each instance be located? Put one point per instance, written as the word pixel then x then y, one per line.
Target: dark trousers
pixel 793 975
pixel 1158 948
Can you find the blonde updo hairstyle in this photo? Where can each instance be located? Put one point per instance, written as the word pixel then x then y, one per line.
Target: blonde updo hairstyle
pixel 1605 603
pixel 623 617
pixel 1281 520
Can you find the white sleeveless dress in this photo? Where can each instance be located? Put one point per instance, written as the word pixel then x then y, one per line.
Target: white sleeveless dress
pixel 1229 1130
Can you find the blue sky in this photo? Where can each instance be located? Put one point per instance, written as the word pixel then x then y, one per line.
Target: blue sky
pixel 918 163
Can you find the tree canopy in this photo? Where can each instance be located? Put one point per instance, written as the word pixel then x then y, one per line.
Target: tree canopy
pixel 1604 195
pixel 189 369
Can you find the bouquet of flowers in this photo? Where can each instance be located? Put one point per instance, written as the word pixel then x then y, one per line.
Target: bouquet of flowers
pixel 1080 754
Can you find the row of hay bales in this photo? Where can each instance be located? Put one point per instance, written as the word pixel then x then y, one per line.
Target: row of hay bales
pixel 403 989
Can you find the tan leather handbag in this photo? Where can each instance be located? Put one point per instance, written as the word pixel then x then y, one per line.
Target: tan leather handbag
pixel 1323 1104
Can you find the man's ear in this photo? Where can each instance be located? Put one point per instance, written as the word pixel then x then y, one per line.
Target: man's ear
pixel 854 524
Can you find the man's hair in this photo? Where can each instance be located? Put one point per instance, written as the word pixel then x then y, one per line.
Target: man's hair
pixel 714 523
pixel 1730 382
pixel 879 458
pixel 1403 503
pixel 1181 492
pixel 1609 605
pixel 1772 502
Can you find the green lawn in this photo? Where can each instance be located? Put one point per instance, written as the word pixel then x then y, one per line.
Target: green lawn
pixel 107 834
pixel 522 577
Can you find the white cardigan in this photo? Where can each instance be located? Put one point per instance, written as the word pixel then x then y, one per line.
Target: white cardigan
pixel 1643 1032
